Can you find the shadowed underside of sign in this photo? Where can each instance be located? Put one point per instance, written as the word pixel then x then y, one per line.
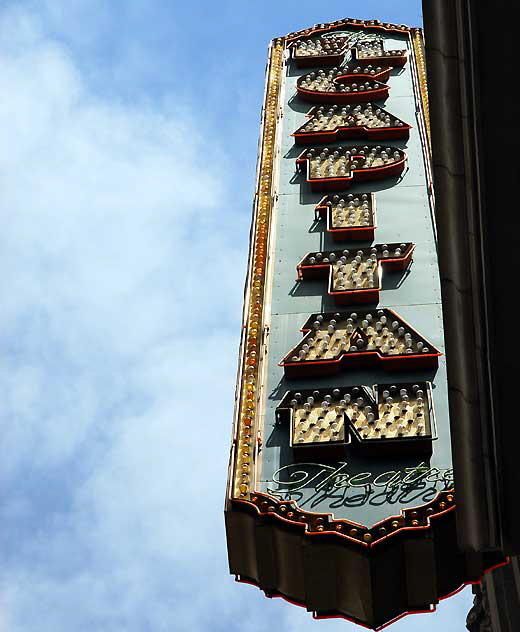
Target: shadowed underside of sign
pixel 334 574
pixel 340 494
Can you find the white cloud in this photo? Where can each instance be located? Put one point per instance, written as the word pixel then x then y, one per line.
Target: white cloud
pixel 117 248
pixel 121 283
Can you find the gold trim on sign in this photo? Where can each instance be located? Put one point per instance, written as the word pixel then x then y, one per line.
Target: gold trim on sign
pixel 246 432
pixel 418 45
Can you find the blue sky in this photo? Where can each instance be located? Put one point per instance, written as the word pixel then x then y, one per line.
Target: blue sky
pixel 127 156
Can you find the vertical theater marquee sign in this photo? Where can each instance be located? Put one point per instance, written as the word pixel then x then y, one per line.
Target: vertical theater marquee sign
pixel 340 495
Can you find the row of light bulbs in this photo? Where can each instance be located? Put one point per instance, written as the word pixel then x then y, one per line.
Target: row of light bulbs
pixel 357 394
pixel 368 115
pixel 320 46
pixel 368 48
pixel 319 76
pixel 327 84
pixel 314 424
pixel 246 430
pixel 352 210
pixel 341 162
pixel 356 275
pixel 352 216
pixel 347 22
pixel 375 49
pixel 330 340
pixel 398 416
pixel 346 256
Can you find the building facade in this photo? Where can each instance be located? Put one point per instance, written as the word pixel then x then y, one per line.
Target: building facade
pixel 471 125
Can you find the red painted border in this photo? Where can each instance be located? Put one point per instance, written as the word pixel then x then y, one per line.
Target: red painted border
pixel 316 524
pixel 359 296
pixel 308 61
pixel 340 98
pixel 359 131
pixel 363 358
pixel 354 233
pixel 358 175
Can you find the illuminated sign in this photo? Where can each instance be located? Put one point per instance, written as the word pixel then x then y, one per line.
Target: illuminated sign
pixel 374 51
pixel 388 417
pixel 348 216
pixel 337 167
pixel 355 275
pixel 343 487
pixel 419 481
pixel 351 121
pixel 341 495
pixel 332 49
pixel 349 84
pixel 333 342
pixel 321 50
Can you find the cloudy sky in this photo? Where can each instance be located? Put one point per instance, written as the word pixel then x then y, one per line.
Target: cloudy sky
pixel 128 134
